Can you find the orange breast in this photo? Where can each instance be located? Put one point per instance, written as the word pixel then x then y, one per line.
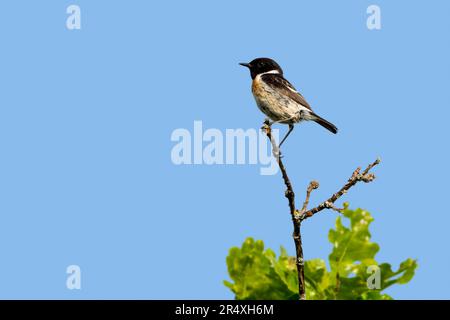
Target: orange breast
pixel 256 86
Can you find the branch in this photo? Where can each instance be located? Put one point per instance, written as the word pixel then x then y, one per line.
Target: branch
pixel 356 177
pixel 298 216
pixel 296 220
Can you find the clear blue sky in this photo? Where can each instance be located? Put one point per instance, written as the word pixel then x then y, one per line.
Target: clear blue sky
pixel 86 117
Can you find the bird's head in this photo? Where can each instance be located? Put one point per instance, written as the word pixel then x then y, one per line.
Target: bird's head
pixel 262 65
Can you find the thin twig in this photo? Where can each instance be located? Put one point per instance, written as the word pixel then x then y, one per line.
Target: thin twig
pixel 356 177
pixel 313 185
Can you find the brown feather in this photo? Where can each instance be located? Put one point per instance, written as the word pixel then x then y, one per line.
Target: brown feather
pixel 278 82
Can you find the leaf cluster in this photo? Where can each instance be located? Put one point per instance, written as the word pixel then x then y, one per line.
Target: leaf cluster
pixel 353 272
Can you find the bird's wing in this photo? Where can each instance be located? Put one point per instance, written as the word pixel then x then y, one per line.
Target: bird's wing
pixel 279 83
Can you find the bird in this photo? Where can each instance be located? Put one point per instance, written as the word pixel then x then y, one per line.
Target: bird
pixel 278 99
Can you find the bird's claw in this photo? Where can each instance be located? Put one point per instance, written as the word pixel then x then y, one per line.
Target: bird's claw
pixel 267 126
pixel 267 122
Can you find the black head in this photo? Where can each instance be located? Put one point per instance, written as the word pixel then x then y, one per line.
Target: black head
pixel 261 65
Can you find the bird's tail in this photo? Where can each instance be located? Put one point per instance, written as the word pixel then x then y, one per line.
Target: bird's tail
pixel 324 123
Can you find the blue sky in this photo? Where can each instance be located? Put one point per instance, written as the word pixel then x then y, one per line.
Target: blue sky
pixel 86 118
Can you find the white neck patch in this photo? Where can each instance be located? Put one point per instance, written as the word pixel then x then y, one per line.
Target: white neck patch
pixel 271 72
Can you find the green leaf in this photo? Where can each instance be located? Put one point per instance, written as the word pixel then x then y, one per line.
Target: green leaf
pixel 316 279
pixel 375 295
pixel 286 269
pixel 256 273
pixel 352 244
pixel 403 275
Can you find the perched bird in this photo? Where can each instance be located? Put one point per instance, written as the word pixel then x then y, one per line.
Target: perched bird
pixel 278 99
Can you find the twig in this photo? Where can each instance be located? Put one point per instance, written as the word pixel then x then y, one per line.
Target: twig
pixel 356 177
pixel 298 216
pixel 313 185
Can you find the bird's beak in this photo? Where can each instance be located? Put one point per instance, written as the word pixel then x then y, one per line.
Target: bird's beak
pixel 245 64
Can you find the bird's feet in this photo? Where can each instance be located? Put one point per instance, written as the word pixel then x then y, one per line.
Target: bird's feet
pixel 267 124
